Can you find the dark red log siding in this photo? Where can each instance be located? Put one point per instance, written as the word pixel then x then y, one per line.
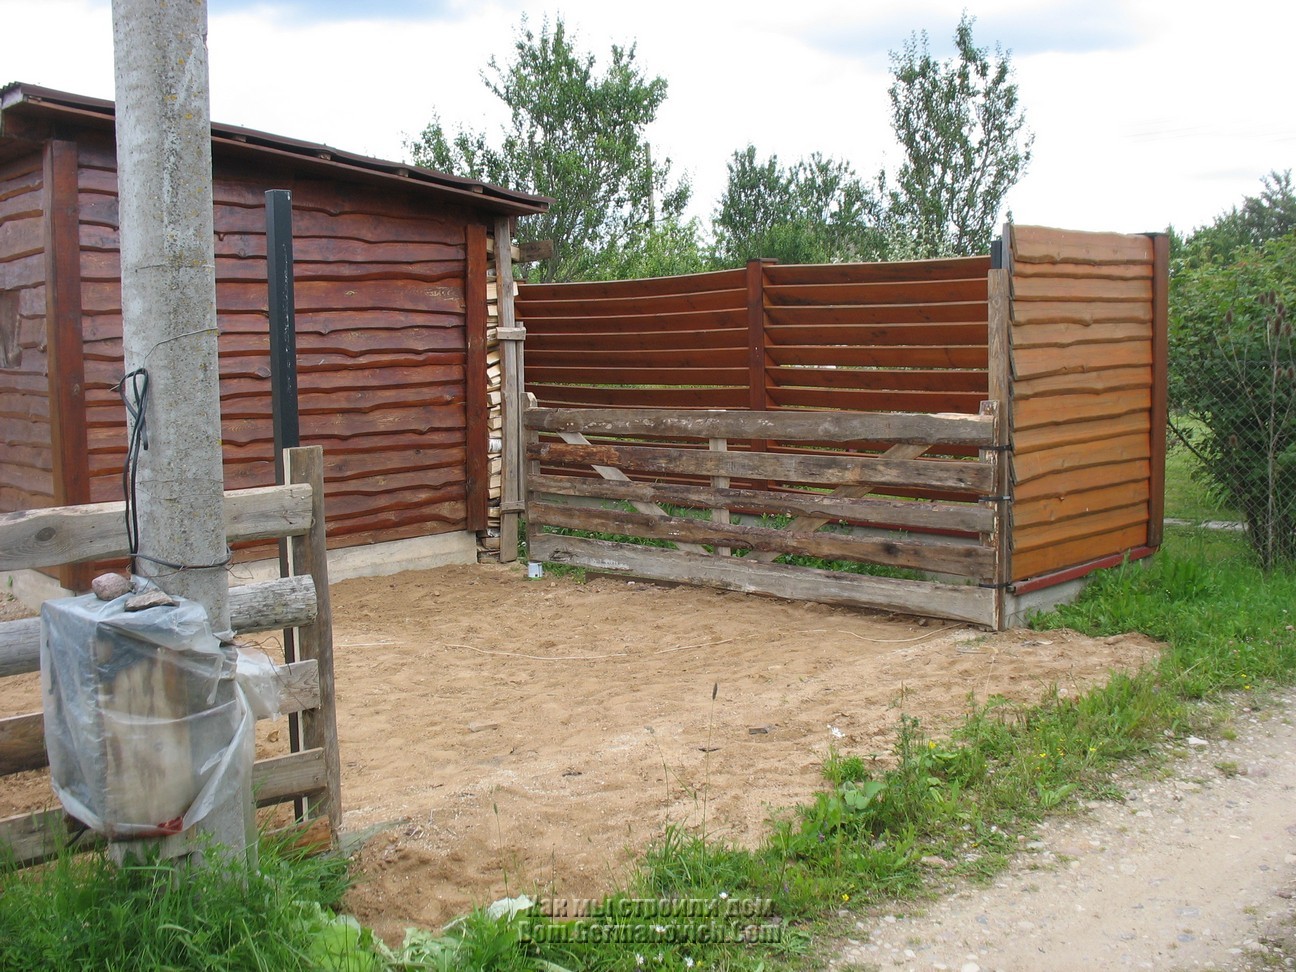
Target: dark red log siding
pixel 26 461
pixel 380 337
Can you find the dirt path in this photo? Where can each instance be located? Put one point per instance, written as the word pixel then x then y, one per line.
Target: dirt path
pixel 1194 871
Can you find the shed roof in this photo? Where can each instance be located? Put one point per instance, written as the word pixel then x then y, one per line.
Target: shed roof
pixel 29 113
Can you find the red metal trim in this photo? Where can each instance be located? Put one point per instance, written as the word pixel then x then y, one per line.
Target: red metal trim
pixel 1074 573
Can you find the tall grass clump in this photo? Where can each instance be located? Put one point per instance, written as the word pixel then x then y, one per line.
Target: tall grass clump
pixel 85 912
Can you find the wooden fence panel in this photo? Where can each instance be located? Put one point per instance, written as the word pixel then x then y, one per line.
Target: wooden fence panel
pixel 1085 390
pixel 730 535
pixel 56 536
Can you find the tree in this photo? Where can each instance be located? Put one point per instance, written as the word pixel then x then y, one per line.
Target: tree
pixel 1233 376
pixel 1260 218
pixel 809 212
pixel 965 144
pixel 577 136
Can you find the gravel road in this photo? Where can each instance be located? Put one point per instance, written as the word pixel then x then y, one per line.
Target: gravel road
pixel 1195 869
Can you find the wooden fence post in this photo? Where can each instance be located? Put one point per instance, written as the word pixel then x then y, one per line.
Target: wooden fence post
pixel 513 380
pixel 477 417
pixel 1160 384
pixel 310 556
pixel 757 359
pixel 999 338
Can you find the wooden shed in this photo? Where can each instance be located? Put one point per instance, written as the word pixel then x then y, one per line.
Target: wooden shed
pixel 392 266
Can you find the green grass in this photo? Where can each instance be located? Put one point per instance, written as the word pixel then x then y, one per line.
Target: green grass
pixel 1187 495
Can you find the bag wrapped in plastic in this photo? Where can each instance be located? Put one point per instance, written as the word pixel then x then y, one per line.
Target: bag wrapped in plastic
pixel 146 727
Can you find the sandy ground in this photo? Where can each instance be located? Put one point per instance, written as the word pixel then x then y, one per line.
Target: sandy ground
pixel 500 734
pixel 1193 870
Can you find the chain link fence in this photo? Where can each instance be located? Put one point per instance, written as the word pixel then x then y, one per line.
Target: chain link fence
pixel 1233 422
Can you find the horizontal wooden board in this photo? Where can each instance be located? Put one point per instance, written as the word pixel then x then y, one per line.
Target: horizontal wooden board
pixel 631 375
pixel 1074 433
pixel 1054 335
pixel 1056 508
pixel 595 325
pixel 1030 288
pixel 1046 560
pixel 280 778
pixel 823 470
pixel 872 293
pixel 963 560
pixel 654 341
pixel 1085 271
pixel 22 236
pixel 1071 457
pixel 539 355
pixel 1094 523
pixel 852 335
pixel 957 268
pixel 956 517
pixel 539 312
pixel 780 426
pixel 1043 362
pixel 1097 382
pixel 1067 409
pixel 881 314
pixel 873 401
pixel 561 395
pixel 1066 482
pixel 970 604
pixel 1041 244
pixel 865 356
pixel 869 379
pixel 623 289
pixel 1079 312
pixel 310 295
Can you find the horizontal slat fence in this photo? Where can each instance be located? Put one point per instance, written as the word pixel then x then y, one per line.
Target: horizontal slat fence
pixel 815 505
pixel 61 535
pixel 1084 397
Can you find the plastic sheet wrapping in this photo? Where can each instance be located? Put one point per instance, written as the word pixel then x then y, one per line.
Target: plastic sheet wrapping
pixel 146 727
pixel 258 677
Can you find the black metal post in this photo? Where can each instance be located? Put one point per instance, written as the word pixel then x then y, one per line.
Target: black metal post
pixel 283 383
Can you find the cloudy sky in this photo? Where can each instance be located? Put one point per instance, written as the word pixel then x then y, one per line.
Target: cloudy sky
pixel 1146 112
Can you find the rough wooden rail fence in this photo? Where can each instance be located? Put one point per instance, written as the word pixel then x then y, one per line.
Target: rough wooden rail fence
pixel 667 475
pixel 71 534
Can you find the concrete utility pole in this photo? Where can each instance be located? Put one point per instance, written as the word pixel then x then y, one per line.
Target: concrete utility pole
pixel 169 310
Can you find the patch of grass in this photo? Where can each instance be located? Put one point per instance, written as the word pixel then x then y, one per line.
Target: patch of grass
pixel 83 912
pixel 1187 494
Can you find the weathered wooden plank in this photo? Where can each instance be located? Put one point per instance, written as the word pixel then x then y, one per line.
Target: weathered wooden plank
pixel 926 554
pixel 73 534
pixel 596 327
pixel 31 838
pixel 655 398
pixel 281 778
pixel 970 604
pixel 1026 288
pixel 628 374
pixel 962 517
pixel 513 388
pixel 879 379
pixel 999 406
pixel 539 355
pixel 1041 244
pixel 660 341
pixel 643 307
pixel 1045 560
pixel 831 470
pixel 844 427
pixel 315 639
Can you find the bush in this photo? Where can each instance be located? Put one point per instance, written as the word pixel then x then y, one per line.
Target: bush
pixel 1233 376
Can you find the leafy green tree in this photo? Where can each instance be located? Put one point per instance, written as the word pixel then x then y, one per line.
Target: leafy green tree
pixel 1233 377
pixel 1260 218
pixel 577 135
pixel 809 212
pixel 670 248
pixel 965 142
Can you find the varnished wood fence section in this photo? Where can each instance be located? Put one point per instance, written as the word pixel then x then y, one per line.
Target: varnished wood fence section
pixel 1086 390
pixel 861 337
pixel 664 476
pixel 51 537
